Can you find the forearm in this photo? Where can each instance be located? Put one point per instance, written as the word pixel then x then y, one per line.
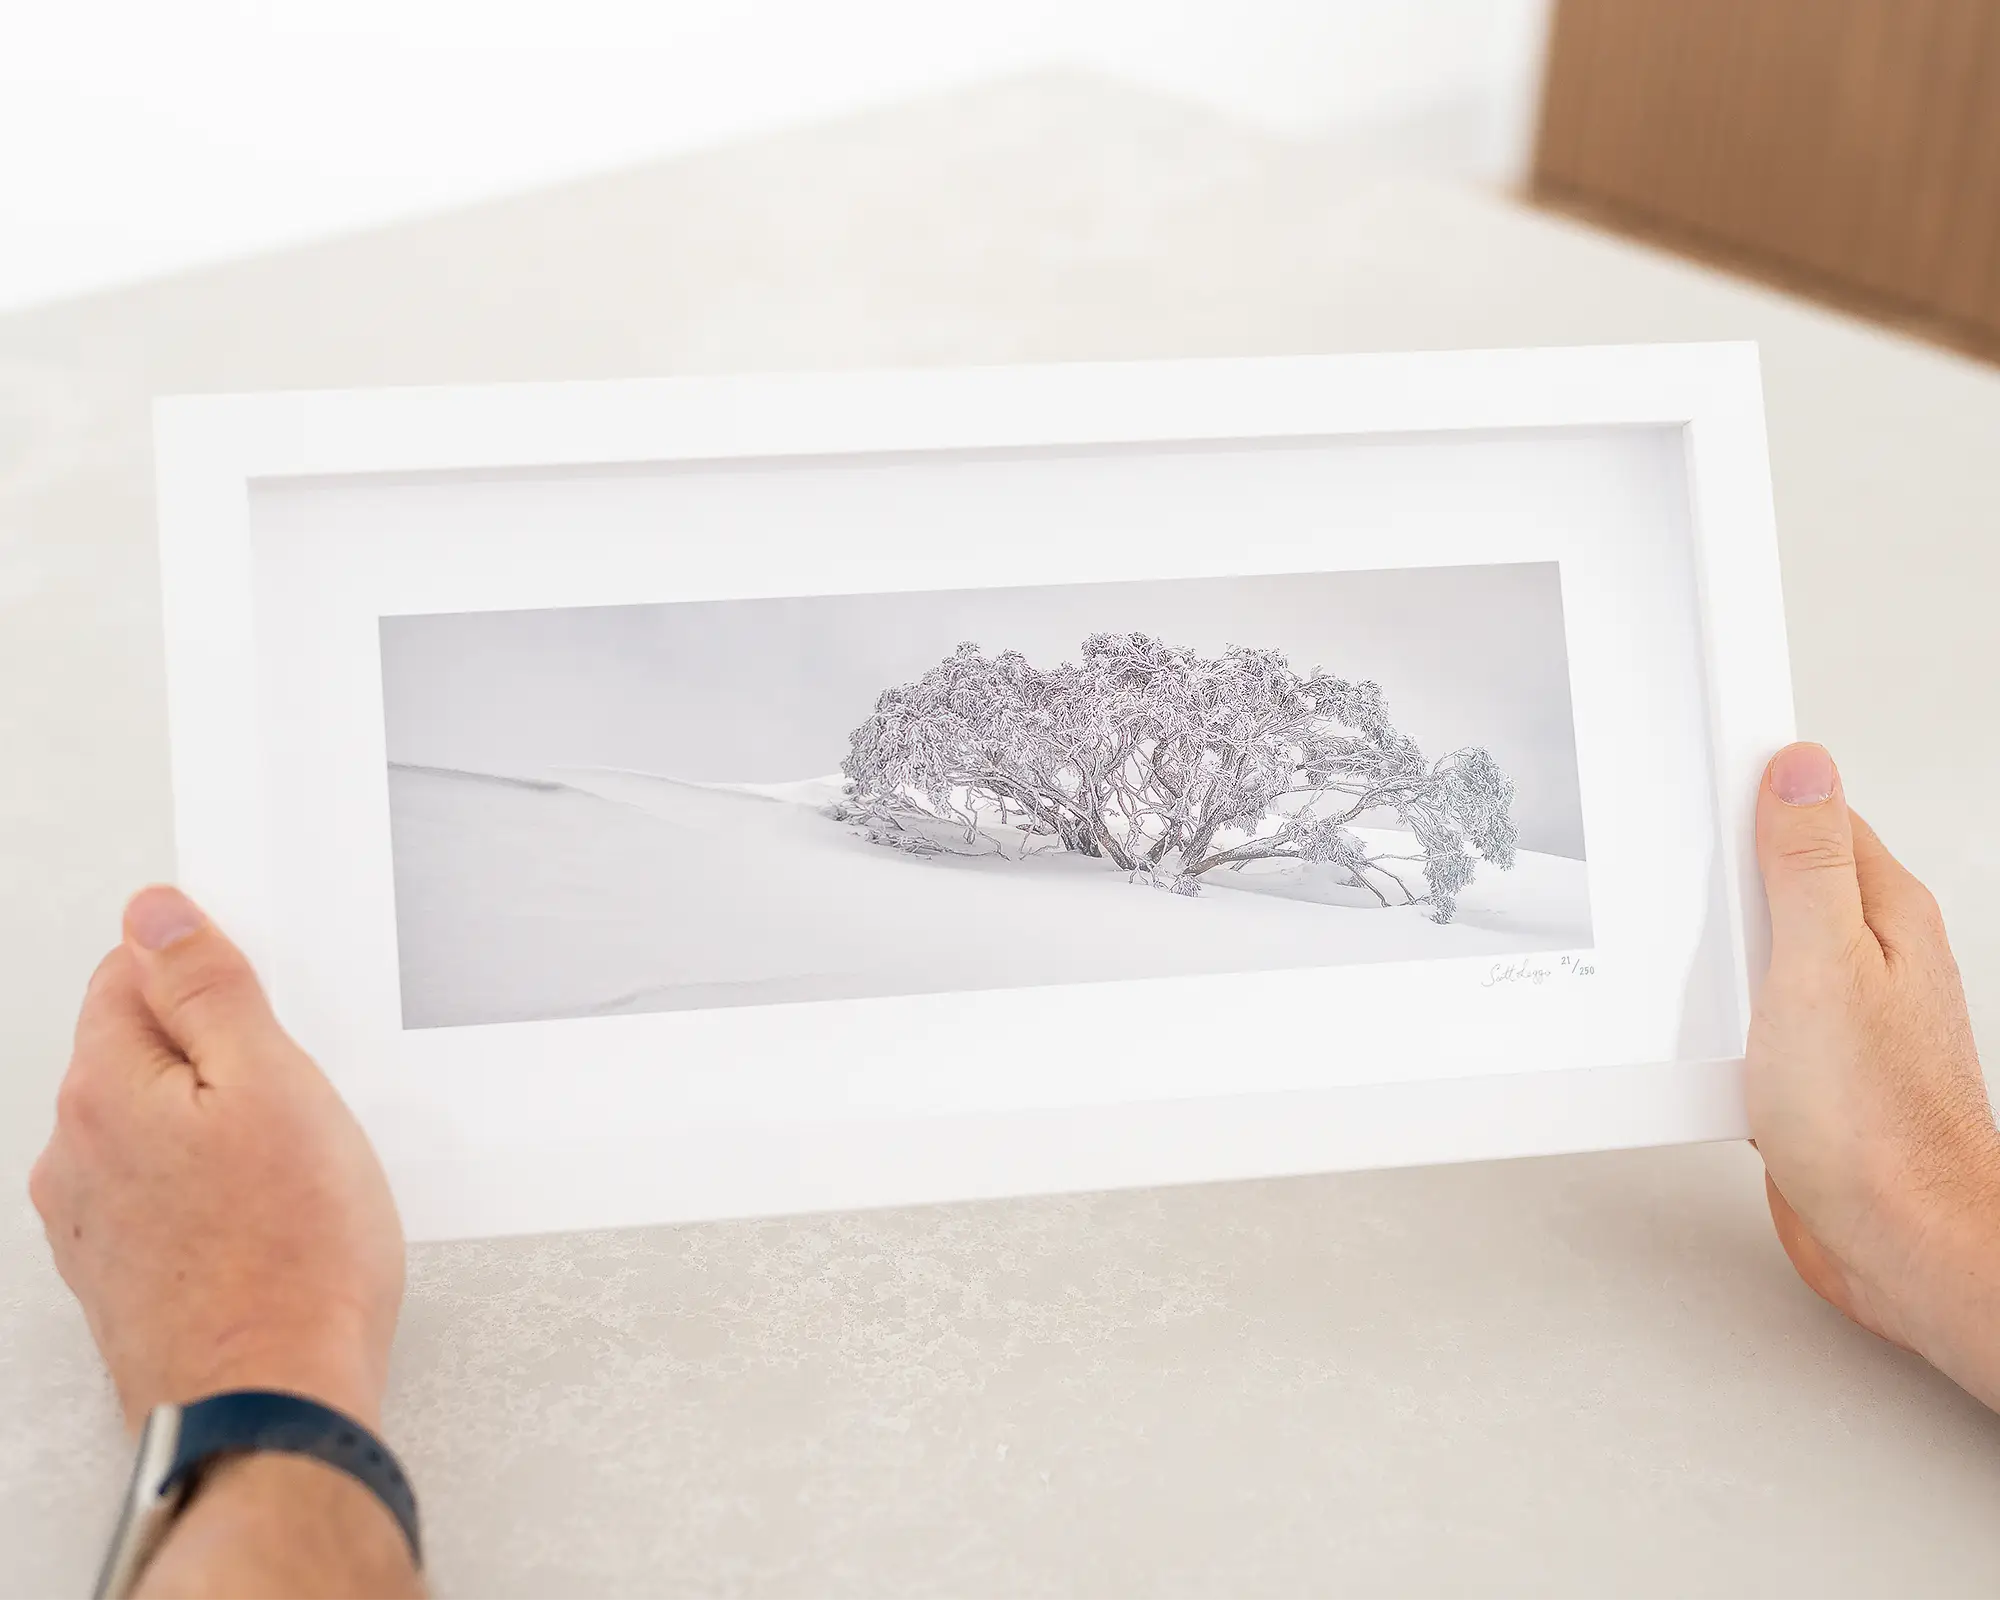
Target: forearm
pixel 273 1524
pixel 1958 1327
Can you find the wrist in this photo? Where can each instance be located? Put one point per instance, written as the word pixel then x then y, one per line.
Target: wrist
pixel 1955 1301
pixel 269 1523
pixel 323 1363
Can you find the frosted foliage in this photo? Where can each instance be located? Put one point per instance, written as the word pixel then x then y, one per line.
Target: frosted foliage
pixel 1173 765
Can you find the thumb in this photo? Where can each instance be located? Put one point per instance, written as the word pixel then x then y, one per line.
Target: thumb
pixel 1805 844
pixel 197 984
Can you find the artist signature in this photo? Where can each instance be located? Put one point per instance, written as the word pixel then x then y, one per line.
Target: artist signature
pixel 1536 972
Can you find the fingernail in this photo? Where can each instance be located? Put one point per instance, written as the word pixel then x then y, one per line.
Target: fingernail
pixel 159 916
pixel 1802 775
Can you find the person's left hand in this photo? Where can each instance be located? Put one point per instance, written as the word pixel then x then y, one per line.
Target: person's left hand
pixel 208 1196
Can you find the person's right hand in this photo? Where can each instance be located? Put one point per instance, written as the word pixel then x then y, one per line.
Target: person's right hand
pixel 1866 1097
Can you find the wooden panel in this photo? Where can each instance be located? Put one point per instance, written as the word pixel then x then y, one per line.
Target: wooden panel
pixel 1849 147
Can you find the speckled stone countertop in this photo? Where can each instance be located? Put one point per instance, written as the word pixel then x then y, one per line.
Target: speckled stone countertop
pixel 1577 1376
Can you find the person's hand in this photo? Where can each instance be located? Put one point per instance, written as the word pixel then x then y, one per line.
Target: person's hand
pixel 208 1197
pixel 1866 1098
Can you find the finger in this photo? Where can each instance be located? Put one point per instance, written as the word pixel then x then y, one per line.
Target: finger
pixel 1814 1266
pixel 1806 848
pixel 59 1199
pixel 49 1190
pixel 117 1035
pixel 197 984
pixel 1898 907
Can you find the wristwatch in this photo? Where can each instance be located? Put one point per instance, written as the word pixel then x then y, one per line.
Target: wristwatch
pixel 180 1443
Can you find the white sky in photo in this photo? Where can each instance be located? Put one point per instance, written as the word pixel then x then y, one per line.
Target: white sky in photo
pixel 768 690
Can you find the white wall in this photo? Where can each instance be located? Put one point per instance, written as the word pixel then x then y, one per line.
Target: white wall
pixel 137 136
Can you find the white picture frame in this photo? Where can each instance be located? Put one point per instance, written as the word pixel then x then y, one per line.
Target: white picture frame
pixel 281 826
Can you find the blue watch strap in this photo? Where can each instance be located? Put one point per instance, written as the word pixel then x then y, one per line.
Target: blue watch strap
pixel 244 1420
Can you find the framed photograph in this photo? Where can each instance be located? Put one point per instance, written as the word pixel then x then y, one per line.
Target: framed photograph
pixel 734 796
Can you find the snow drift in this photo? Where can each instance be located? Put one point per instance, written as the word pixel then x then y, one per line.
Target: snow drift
pixel 584 892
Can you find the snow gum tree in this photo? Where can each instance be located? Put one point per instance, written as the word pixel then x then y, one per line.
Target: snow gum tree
pixel 1173 765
